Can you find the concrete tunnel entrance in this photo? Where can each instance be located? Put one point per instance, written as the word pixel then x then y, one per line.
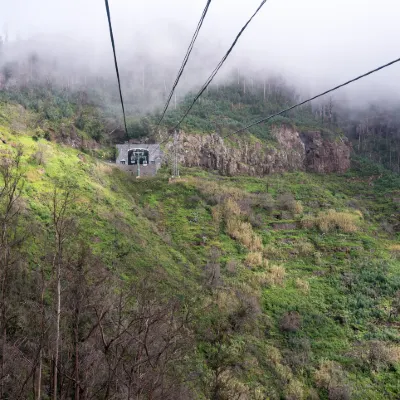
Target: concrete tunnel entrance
pixel 136 156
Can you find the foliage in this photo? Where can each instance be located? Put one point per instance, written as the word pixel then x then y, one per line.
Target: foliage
pixel 331 220
pixel 228 107
pixel 54 107
pixel 138 127
pixel 318 320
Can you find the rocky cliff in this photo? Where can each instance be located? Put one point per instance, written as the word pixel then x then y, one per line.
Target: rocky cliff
pixel 293 150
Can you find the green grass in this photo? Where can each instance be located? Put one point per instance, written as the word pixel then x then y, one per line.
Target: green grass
pixel 352 277
pixel 334 317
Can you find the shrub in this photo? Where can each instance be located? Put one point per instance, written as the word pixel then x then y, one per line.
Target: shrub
pixel 256 220
pixel 287 202
pixel 215 193
pixel 395 306
pixel 294 390
pixel 230 207
pixel 254 259
pixel 312 394
pixel 243 232
pixel 151 213
pixel 248 309
pixel 256 243
pixel 299 355
pixel 276 275
pixel 275 252
pixel 380 355
pixel 331 377
pixel 340 392
pixel 259 278
pixel 217 216
pixel 388 227
pixel 304 248
pixel 395 250
pixel 231 266
pixel 297 208
pixel 245 204
pixel 318 259
pixel 40 156
pixel 308 222
pixel 303 286
pixel 395 354
pixel 274 355
pixel 290 322
pixel 239 230
pixel 358 213
pixel 284 372
pixel 193 201
pixel 331 220
pixel 266 202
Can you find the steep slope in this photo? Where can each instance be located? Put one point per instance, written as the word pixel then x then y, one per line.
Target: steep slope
pixel 297 141
pixel 323 281
pixel 285 286
pixel 104 189
pixel 292 151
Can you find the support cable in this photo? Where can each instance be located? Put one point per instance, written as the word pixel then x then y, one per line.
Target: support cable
pixel 185 60
pixel 313 98
pixel 116 64
pixel 211 77
pixel 218 67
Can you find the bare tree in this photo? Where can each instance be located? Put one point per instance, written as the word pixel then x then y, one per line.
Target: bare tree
pixel 11 239
pixel 63 223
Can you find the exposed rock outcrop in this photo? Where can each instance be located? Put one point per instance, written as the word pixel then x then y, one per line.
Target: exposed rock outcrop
pixel 293 150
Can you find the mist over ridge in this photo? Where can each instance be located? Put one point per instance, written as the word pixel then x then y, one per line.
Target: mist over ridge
pixel 312 44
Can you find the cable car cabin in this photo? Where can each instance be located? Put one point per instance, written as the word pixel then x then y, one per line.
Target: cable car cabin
pixel 132 157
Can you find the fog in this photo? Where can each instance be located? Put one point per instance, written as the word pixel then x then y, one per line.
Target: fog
pixel 314 44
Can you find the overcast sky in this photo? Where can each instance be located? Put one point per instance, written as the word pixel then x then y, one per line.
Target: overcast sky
pixel 315 42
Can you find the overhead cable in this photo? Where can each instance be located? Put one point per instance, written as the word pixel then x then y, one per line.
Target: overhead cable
pixel 218 67
pixel 116 64
pixel 185 60
pixel 313 98
pixel 211 77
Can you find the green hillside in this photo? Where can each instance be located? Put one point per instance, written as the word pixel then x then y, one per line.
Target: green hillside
pixel 209 287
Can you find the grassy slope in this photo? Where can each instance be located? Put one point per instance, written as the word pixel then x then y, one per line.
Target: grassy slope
pixel 352 277
pixel 336 316
pixel 112 220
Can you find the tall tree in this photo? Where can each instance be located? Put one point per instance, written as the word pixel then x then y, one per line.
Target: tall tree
pixel 63 223
pixel 11 239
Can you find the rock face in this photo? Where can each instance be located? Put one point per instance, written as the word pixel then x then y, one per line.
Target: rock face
pixel 293 151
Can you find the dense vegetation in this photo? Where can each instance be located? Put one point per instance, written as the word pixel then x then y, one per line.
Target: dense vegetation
pixel 228 107
pixel 207 288
pixel 375 134
pixel 75 98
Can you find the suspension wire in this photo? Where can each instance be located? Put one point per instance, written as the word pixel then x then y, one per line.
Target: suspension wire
pixel 220 64
pixel 313 98
pixel 211 77
pixel 116 64
pixel 185 60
